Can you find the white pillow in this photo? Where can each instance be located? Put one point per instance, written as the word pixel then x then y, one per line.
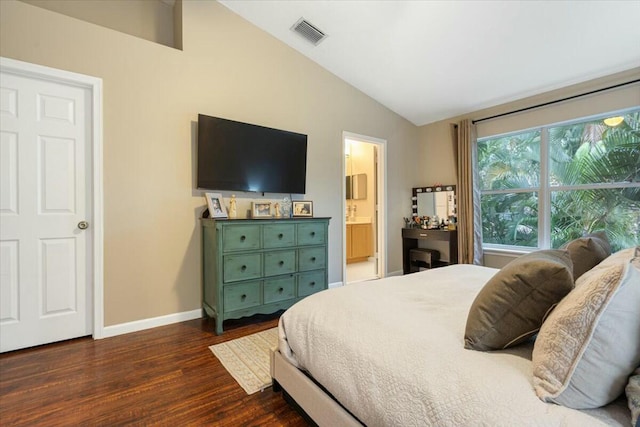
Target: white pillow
pixel 590 344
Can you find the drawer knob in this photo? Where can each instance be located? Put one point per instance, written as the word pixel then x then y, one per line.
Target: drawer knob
pixel 313 259
pixel 280 236
pixel 243 238
pixel 281 290
pixel 312 284
pixel 243 268
pixel 281 263
pixel 243 297
pixel 313 233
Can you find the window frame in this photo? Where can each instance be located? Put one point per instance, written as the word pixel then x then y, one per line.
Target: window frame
pixel 544 188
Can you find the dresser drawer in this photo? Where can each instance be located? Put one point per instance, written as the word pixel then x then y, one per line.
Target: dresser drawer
pixel 242 295
pixel 241 237
pixel 242 267
pixel 279 235
pixel 279 262
pixel 311 282
pixel 311 234
pixel 311 258
pixel 279 289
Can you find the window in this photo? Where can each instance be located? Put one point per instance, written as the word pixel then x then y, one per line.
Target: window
pixel 542 187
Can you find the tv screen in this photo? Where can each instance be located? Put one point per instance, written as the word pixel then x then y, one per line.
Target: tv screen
pixel 245 157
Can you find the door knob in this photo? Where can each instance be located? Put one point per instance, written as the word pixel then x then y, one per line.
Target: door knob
pixel 83 225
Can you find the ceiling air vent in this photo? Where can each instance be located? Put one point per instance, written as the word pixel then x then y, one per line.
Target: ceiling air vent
pixel 308 31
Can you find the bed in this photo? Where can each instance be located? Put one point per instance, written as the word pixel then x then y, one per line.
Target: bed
pixel 391 353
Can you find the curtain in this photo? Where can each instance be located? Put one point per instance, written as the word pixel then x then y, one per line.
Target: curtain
pixel 469 224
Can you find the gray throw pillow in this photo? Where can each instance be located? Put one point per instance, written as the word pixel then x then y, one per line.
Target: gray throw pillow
pixel 511 306
pixel 588 251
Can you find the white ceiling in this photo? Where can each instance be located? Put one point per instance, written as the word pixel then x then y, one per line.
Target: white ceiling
pixel 431 60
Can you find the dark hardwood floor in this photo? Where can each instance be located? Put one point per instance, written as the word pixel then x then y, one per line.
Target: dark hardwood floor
pixel 164 376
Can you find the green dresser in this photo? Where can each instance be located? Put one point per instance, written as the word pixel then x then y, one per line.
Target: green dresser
pixel 261 266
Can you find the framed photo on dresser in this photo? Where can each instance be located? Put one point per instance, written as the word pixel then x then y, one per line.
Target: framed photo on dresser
pixel 261 209
pixel 216 206
pixel 303 208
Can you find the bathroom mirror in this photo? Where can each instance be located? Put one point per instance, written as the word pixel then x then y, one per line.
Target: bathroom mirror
pixel 430 201
pixel 357 186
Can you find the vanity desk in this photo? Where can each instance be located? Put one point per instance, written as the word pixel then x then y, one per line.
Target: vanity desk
pixel 437 201
pixel 411 238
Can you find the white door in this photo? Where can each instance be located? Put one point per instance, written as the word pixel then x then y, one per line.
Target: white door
pixel 45 195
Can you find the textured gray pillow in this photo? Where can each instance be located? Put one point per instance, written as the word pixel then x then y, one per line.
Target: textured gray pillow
pixel 590 343
pixel 633 396
pixel 512 305
pixel 588 251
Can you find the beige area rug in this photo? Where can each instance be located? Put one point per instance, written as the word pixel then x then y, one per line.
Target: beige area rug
pixel 248 359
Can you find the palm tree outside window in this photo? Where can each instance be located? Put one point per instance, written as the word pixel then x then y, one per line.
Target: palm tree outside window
pixel 542 187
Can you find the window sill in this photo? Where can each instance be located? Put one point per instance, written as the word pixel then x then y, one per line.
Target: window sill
pixel 511 250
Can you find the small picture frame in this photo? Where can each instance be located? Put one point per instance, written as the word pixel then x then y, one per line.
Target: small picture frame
pixel 216 206
pixel 303 208
pixel 261 209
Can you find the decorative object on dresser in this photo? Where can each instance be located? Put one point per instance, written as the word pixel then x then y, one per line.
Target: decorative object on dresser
pixel 216 205
pixel 286 207
pixel 303 208
pixel 261 209
pixel 233 210
pixel 261 266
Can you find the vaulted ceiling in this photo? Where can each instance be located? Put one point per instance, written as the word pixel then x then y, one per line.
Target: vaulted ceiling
pixel 430 60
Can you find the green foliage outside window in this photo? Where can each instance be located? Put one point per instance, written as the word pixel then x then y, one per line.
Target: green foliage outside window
pixel 593 183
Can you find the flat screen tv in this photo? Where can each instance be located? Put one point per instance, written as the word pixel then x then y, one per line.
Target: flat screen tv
pixel 240 156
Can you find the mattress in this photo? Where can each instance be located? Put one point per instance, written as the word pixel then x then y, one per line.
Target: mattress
pixel 391 352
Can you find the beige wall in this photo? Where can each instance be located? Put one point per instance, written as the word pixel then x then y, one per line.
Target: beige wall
pixel 436 147
pixel 152 95
pixel 148 19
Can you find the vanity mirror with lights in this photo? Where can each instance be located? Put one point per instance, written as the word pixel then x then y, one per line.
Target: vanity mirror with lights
pixel 429 202
pixel 432 201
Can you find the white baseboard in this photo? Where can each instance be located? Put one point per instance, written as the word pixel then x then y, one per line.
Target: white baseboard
pixel 154 322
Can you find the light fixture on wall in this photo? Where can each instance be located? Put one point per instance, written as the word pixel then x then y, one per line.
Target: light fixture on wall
pixel 613 121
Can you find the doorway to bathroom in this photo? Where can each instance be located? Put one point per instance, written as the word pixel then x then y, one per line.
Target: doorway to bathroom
pixel 363 207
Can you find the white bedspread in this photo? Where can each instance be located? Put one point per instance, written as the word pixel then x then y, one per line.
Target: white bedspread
pixel 391 351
